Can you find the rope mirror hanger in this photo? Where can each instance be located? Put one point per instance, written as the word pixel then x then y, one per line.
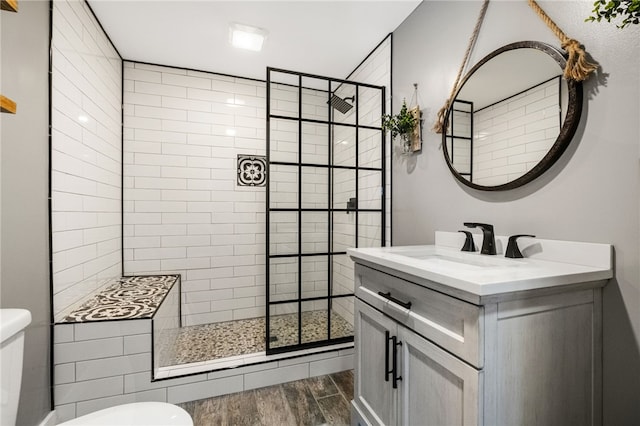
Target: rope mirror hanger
pixel 578 68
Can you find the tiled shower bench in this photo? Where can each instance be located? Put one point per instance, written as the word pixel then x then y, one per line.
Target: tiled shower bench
pixel 113 342
pixel 110 352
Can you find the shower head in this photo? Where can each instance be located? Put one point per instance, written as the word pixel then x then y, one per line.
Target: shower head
pixel 341 104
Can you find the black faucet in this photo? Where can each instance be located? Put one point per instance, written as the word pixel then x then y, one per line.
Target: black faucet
pixel 488 239
pixel 513 251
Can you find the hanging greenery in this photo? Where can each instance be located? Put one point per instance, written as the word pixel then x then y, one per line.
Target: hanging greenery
pixel 628 10
pixel 401 123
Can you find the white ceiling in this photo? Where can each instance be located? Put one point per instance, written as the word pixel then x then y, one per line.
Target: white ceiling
pixel 327 38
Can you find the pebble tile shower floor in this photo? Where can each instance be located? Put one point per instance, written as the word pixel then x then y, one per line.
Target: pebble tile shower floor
pixel 322 400
pixel 241 337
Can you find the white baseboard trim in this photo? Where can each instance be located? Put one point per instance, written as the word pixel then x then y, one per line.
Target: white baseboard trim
pixel 50 420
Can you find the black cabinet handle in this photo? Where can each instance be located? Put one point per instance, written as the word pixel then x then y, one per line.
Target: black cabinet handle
pixel 386 356
pixel 387 295
pixel 396 378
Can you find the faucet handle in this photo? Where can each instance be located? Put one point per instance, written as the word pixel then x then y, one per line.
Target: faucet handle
pixel 488 238
pixel 468 242
pixel 513 251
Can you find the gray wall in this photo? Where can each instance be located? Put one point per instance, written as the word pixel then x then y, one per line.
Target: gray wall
pixel 24 171
pixel 591 194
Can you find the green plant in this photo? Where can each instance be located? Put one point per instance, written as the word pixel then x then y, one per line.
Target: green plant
pixel 401 123
pixel 629 10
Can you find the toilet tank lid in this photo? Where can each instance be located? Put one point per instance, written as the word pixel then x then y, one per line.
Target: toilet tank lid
pixel 13 321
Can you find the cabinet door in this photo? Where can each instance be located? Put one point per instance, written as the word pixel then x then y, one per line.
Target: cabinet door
pixel 436 388
pixel 373 392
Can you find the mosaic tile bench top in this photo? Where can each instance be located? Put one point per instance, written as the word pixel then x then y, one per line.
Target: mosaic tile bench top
pixel 128 298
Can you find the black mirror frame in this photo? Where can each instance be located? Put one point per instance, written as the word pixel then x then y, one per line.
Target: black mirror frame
pixel 572 119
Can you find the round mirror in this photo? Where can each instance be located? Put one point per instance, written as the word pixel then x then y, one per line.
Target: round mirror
pixel 512 118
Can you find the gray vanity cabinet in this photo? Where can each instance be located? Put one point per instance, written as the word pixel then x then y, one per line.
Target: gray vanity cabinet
pixel 433 387
pixel 520 358
pixel 436 387
pixel 373 386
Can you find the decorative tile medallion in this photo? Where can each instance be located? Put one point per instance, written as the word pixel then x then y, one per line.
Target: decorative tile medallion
pixel 128 298
pixel 252 170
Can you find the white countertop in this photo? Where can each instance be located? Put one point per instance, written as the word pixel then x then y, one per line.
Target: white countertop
pixel 547 263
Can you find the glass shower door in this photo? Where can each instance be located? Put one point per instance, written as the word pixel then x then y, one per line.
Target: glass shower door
pixel 325 186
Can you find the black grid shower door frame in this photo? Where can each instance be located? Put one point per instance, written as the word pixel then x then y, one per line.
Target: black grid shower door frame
pixel 452 137
pixel 330 208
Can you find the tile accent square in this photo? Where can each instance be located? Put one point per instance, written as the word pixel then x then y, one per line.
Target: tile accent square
pixel 252 170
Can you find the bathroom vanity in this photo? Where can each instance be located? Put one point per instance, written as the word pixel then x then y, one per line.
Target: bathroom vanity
pixel 444 337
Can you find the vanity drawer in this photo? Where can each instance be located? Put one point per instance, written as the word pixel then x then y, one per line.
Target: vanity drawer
pixel 452 324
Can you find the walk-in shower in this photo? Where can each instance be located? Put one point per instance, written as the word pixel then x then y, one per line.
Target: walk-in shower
pixel 325 192
pixel 263 253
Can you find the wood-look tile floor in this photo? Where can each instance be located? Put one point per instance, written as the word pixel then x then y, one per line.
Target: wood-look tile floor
pixel 323 400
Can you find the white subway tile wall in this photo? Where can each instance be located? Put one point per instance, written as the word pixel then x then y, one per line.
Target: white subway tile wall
pixel 184 212
pixel 459 147
pixel 86 156
pixel 512 136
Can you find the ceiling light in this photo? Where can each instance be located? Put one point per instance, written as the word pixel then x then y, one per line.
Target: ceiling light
pixel 246 37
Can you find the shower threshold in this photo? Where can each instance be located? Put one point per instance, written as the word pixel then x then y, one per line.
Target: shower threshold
pixel 240 361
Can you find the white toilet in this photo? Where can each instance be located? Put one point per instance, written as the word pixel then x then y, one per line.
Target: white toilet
pixel 135 414
pixel 12 325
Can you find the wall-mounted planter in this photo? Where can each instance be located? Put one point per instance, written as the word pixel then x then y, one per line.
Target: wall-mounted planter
pixel 416 136
pixel 412 141
pixel 405 124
